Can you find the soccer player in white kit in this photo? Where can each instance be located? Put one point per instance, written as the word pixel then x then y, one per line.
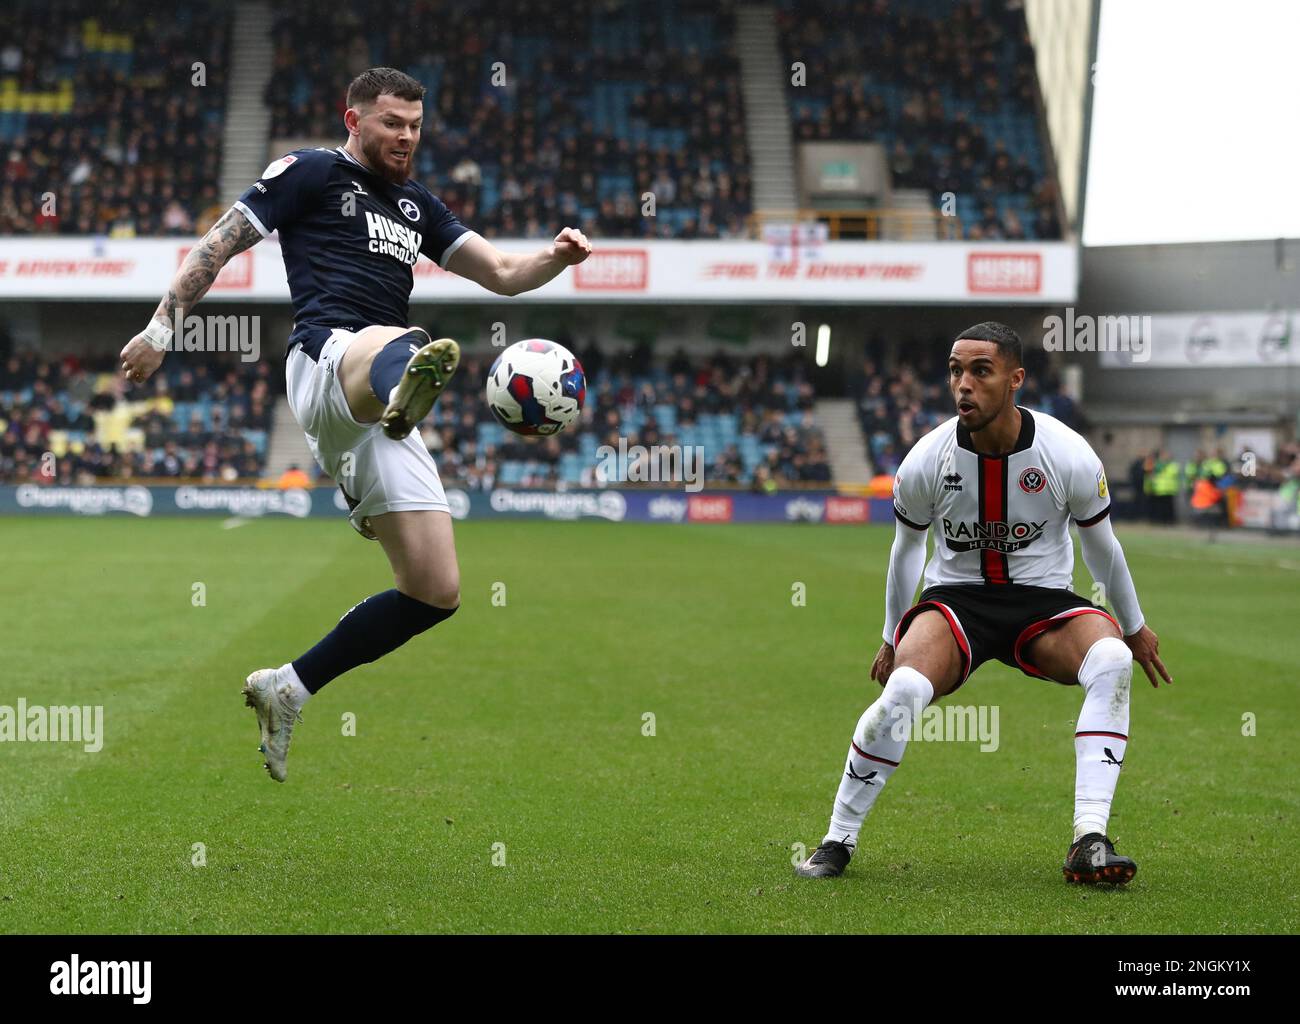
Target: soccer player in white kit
pixel 999 485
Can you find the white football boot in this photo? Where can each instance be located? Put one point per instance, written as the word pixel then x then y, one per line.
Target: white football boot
pixel 276 715
pixel 428 371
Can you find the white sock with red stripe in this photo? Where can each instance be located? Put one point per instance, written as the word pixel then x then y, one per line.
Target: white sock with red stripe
pixel 1101 736
pixel 877 748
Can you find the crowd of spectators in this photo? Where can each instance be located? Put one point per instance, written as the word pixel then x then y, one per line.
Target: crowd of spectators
pixel 1165 489
pixel 597 107
pixel 207 420
pixel 74 420
pixel 539 114
pixel 1279 475
pixel 953 98
pixel 122 142
pixel 751 415
pixel 1252 471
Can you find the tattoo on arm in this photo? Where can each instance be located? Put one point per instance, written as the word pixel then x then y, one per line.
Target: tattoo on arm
pixel 229 236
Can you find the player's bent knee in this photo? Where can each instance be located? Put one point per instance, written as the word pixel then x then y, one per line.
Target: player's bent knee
pixel 1107 659
pixel 908 687
pixel 376 339
pixel 439 595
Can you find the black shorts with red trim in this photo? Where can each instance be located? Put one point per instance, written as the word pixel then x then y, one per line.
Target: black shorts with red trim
pixel 998 621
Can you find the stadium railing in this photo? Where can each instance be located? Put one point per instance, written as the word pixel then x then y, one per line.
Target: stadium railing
pixel 871 225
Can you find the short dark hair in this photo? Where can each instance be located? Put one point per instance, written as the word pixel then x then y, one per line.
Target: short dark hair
pixel 370 85
pixel 1007 340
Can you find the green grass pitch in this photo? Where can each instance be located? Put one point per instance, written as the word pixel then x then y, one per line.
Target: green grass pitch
pixel 522 725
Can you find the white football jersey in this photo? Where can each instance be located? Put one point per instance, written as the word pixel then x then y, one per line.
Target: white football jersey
pixel 1002 518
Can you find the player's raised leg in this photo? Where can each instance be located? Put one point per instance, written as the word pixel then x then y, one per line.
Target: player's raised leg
pixel 1087 649
pixel 927 666
pixel 397 499
pixel 422 552
pixel 393 375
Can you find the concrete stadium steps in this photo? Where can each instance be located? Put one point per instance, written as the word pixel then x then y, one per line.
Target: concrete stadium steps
pixel 287 445
pixel 845 445
pixel 248 120
pixel 763 79
pixel 910 217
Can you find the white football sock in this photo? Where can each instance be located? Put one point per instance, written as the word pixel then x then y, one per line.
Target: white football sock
pixel 877 748
pixel 298 693
pixel 1101 736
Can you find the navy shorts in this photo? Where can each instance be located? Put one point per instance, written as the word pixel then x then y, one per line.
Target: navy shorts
pixel 998 621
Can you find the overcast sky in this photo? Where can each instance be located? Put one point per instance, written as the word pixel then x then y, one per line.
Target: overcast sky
pixel 1195 122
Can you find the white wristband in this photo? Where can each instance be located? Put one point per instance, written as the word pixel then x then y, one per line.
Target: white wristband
pixel 158 335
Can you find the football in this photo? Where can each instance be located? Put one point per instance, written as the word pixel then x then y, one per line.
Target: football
pixel 536 387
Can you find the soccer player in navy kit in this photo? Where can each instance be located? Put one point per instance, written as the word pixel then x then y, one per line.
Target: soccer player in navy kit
pixel 360 379
pixel 999 485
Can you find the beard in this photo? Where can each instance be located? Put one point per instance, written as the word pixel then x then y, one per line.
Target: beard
pixel 373 151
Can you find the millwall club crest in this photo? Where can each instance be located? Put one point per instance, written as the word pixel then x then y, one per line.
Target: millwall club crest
pixel 1033 480
pixel 409 210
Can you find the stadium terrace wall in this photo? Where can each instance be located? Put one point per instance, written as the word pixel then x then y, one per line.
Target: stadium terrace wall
pixel 639 506
pixel 618 271
pixel 1258 277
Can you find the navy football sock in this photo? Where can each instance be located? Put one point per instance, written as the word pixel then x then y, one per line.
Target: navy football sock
pixel 379 624
pixel 390 362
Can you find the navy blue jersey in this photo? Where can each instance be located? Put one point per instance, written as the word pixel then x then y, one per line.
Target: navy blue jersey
pixel 349 240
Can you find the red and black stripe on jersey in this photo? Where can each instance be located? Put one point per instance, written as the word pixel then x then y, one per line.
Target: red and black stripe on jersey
pixel 993 509
pixel 994 471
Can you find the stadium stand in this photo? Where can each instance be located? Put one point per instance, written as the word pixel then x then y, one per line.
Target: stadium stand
pixel 195 420
pixel 598 106
pixel 752 417
pixel 618 101
pixel 949 90
pixel 99 109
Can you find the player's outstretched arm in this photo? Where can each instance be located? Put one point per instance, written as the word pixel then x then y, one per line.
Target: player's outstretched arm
pixel 906 563
pixel 509 273
pixel 1104 558
pixel 229 236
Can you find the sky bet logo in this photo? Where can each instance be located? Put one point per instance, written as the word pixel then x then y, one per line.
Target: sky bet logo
pixel 1004 537
pixel 388 238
